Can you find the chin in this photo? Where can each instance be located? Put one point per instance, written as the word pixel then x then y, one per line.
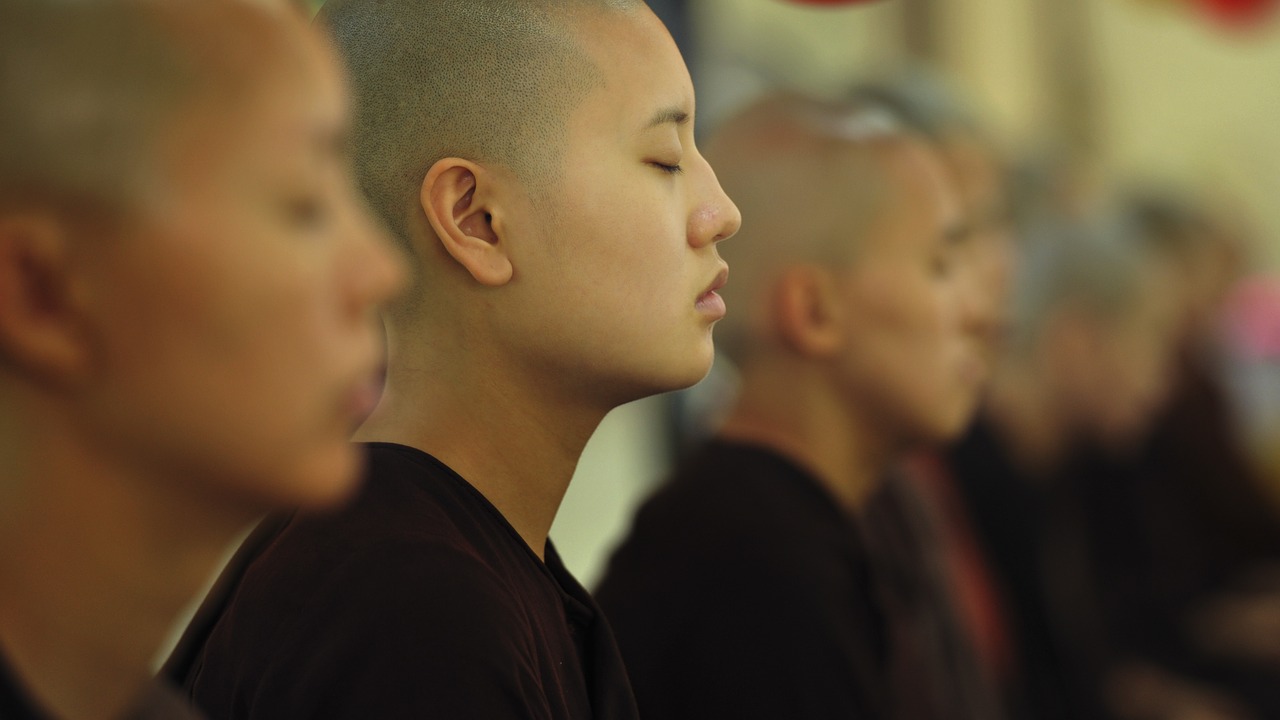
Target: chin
pixel 327 480
pixel 949 429
pixel 670 380
pixel 694 373
pixel 667 367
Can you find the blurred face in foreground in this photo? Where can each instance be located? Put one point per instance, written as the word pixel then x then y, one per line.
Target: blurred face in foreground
pixel 231 316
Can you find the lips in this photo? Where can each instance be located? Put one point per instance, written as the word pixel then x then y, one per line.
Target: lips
pixel 363 397
pixel 709 302
pixel 363 391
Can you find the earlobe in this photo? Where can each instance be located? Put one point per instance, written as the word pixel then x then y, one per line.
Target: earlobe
pixel 808 312
pixel 457 199
pixel 39 329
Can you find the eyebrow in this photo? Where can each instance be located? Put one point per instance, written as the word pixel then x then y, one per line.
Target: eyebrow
pixel 668 115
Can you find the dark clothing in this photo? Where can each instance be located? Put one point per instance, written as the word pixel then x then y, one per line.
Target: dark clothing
pixel 418 600
pixel 1101 563
pixel 935 670
pixel 1169 530
pixel 1016 520
pixel 180 668
pixel 159 702
pixel 162 702
pixel 14 703
pixel 743 592
pixel 1190 511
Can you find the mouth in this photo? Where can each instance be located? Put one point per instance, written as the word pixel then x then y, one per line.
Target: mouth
pixel 709 302
pixel 363 395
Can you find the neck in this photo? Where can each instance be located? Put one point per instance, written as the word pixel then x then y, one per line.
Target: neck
pixel 95 566
pixel 516 441
pixel 1021 409
pixel 794 411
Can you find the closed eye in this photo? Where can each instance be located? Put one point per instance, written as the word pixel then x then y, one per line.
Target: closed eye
pixel 668 169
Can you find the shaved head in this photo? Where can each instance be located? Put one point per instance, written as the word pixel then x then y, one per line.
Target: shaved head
pixel 491 81
pixel 810 179
pixel 89 90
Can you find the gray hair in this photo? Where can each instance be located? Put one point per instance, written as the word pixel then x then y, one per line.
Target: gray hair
pixel 1096 263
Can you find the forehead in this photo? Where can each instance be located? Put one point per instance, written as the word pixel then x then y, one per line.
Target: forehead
pixel 641 69
pixel 917 192
pixel 292 107
pixel 976 171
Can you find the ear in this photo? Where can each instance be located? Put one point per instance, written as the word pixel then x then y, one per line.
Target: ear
pixel 808 311
pixel 457 197
pixel 40 332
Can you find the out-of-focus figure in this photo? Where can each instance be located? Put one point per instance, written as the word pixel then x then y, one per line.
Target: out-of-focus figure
pixel 746 588
pixel 946 654
pixel 1252 329
pixel 1181 539
pixel 1086 363
pixel 186 288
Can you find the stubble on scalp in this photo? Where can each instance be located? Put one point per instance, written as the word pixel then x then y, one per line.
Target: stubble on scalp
pixel 811 181
pixel 490 81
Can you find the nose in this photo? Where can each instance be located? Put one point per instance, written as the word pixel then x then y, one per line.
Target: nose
pixel 376 270
pixel 716 217
pixel 988 285
pixel 980 314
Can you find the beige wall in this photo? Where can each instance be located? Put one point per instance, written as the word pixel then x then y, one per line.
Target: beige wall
pixel 1195 103
pixel 1179 99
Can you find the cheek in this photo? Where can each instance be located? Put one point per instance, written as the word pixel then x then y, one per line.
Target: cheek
pixel 216 341
pixel 165 315
pixel 632 258
pixel 885 328
pixel 899 329
pixel 921 321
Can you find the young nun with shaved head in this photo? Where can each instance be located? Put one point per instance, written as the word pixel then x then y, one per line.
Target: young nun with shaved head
pixel 536 160
pixel 187 286
pixel 745 590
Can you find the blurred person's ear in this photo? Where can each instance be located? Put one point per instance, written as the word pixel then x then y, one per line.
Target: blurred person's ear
pixel 40 308
pixel 807 311
pixel 458 199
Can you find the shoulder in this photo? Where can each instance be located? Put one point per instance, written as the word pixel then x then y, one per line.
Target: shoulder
pixel 742 510
pixel 416 625
pixel 763 542
pixel 320 578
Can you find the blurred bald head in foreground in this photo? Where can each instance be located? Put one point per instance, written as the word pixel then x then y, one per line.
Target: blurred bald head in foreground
pixel 848 322
pixel 186 287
